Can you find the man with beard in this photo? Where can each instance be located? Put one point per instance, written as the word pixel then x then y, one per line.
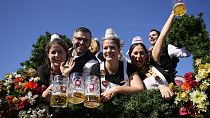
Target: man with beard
pixel 84 59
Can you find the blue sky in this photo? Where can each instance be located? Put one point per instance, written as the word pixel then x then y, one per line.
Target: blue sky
pixel 23 21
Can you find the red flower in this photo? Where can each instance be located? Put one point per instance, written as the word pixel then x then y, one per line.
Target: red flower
pixel 31 85
pixel 185 86
pixel 193 83
pixel 188 77
pixel 23 104
pixel 9 99
pixel 18 79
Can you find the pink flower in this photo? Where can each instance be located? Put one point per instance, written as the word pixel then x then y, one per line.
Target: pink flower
pixel 178 82
pixel 183 111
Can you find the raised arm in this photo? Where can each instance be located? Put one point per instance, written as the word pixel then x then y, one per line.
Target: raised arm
pixel 161 39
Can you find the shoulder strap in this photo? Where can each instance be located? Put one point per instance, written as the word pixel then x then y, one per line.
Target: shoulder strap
pixel 126 79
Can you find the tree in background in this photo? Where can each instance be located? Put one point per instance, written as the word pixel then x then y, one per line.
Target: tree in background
pixel 38 51
pixel 187 31
pixel 190 32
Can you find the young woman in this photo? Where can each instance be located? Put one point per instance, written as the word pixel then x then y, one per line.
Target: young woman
pixel 153 76
pixel 56 62
pixel 116 76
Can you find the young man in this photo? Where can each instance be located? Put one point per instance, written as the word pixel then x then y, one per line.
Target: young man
pixel 84 59
pixel 169 55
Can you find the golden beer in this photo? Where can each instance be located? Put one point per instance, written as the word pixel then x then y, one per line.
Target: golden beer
pixel 91 101
pixel 179 9
pixel 58 101
pixel 76 98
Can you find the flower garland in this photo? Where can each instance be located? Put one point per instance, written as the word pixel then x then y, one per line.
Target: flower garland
pixel 191 96
pixel 20 97
pixel 19 92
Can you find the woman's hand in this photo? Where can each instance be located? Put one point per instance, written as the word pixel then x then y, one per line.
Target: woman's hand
pixel 47 93
pixel 165 91
pixel 108 94
pixel 67 67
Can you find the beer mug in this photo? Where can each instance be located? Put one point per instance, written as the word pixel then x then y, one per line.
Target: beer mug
pixel 59 98
pixel 179 7
pixel 75 92
pixel 92 92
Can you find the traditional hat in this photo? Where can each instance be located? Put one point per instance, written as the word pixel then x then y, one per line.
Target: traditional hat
pixel 110 34
pixel 137 39
pixel 54 36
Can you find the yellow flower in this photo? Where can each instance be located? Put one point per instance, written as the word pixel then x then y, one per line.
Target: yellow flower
pixel 184 96
pixel 197 96
pixel 202 73
pixel 202 107
pixel 172 87
pixel 8 76
pixel 197 62
pixel 36 79
pixel 203 86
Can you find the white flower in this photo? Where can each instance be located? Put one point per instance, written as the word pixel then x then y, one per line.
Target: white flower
pixel 33 116
pixel 36 79
pixel 31 98
pixel 197 97
pixel 8 82
pixel 41 112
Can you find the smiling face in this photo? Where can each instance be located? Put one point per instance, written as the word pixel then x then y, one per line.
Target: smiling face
pixel 153 36
pixel 81 42
pixel 57 55
pixel 110 50
pixel 139 56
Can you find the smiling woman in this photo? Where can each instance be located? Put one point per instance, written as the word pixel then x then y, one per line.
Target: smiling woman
pixel 117 76
pixel 57 54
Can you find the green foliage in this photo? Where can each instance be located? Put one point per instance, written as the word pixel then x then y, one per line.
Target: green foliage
pixel 190 32
pixel 148 104
pixel 38 51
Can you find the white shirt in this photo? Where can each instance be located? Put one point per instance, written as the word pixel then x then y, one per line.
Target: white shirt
pixel 174 51
pixel 151 82
pixel 88 66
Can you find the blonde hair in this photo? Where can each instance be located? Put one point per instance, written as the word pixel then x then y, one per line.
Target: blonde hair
pixel 94 46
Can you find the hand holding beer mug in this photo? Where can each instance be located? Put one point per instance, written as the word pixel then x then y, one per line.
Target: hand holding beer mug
pixel 59 98
pixel 92 92
pixel 179 7
pixel 76 88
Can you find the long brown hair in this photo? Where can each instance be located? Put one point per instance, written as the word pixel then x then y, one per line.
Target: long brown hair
pixel 60 42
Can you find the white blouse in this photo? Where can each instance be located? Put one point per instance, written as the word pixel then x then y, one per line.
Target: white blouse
pixel 152 82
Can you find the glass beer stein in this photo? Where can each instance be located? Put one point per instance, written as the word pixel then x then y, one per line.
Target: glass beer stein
pixel 75 88
pixel 59 98
pixel 92 92
pixel 179 7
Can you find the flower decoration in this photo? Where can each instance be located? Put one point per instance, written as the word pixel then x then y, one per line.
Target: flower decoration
pixel 20 91
pixel 191 96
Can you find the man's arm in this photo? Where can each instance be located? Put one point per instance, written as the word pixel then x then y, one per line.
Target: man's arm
pixel 161 39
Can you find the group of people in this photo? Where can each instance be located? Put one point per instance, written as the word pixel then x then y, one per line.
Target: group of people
pixel 146 68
